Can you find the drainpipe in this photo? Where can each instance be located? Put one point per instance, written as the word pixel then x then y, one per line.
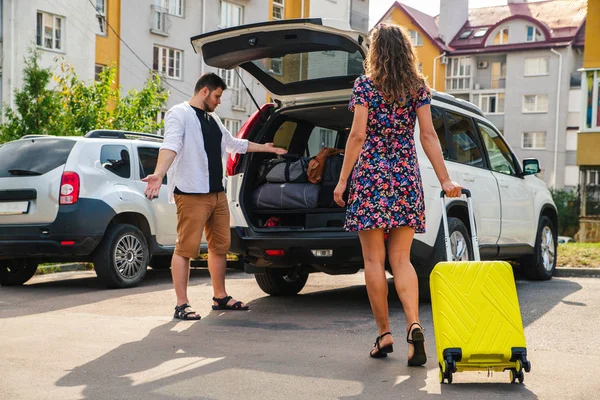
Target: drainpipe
pixel 435 66
pixel 203 31
pixel 13 55
pixel 557 115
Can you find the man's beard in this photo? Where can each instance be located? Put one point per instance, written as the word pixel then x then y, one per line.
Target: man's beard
pixel 207 107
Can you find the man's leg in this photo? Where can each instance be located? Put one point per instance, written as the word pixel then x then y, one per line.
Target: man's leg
pixel 192 213
pixel 218 235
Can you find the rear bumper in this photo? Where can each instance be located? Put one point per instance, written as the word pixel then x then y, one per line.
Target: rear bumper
pixel 298 248
pixel 83 223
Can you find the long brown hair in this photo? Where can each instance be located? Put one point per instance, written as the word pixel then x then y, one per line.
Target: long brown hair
pixel 392 62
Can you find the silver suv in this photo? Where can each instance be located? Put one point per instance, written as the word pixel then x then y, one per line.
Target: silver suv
pixel 82 199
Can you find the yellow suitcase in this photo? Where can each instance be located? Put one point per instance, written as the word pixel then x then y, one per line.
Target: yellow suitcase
pixel 476 316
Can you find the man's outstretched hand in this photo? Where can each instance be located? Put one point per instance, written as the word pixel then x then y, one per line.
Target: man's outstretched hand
pixel 273 149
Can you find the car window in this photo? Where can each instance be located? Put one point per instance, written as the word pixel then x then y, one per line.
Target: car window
pixel 285 133
pixel 464 142
pixel 115 158
pixel 501 159
pixel 34 156
pixel 319 138
pixel 437 116
pixel 148 160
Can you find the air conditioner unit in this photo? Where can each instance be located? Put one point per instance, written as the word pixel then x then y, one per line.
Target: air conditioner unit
pixel 482 64
pixel 444 60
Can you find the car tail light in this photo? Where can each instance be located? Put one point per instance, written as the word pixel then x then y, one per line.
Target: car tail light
pixel 233 162
pixel 275 253
pixel 69 188
pixel 67 243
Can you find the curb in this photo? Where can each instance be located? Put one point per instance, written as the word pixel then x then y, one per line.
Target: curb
pixel 63 268
pixel 577 272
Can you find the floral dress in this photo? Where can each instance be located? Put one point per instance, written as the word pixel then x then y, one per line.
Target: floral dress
pixel 385 188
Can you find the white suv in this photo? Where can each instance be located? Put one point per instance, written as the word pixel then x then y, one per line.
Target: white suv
pixel 82 199
pixel 308 67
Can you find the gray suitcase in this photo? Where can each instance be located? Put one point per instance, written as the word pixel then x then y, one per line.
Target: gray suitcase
pixel 286 195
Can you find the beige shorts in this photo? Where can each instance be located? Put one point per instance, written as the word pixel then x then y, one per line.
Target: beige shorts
pixel 202 212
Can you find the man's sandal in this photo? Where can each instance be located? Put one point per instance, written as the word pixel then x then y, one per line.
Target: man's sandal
pixel 381 352
pixel 181 313
pixel 418 341
pixel 222 304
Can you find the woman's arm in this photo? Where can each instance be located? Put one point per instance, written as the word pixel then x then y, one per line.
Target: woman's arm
pixel 354 144
pixel 431 145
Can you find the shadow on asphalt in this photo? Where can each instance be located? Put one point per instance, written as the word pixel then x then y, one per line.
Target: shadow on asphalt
pixel 309 346
pixel 80 291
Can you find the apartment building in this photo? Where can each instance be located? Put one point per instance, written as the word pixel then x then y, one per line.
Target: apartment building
pixel 519 63
pixel 58 29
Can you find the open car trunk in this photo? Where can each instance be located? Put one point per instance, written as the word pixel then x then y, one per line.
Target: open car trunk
pixel 303 131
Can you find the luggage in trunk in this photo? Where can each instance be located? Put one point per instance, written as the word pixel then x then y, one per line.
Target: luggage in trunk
pixel 286 196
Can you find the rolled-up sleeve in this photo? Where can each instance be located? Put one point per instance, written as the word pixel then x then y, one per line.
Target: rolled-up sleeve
pixel 174 127
pixel 233 145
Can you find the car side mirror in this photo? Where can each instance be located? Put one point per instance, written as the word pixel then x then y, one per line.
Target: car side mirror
pixel 531 166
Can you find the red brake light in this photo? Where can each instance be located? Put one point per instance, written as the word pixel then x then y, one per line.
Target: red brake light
pixel 69 188
pixel 275 253
pixel 233 161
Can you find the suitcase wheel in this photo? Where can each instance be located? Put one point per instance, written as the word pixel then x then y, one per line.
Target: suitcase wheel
pixel 516 375
pixel 446 372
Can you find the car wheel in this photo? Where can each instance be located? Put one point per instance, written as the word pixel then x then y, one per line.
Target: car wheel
pixel 16 272
pixel 541 265
pixel 278 282
pixel 160 262
pixel 121 259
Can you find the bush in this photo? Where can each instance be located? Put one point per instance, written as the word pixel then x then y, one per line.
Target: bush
pixel 567 204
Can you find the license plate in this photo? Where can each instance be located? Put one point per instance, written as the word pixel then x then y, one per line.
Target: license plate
pixel 14 207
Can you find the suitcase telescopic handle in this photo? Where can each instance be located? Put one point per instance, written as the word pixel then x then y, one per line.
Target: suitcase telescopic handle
pixel 474 240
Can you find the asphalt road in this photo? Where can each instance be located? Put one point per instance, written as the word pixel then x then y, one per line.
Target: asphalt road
pixel 64 336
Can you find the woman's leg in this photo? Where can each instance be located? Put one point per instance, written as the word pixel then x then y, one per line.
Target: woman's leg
pixel 405 277
pixel 373 249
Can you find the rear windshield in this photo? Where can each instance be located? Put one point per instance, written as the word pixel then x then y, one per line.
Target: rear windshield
pixel 33 157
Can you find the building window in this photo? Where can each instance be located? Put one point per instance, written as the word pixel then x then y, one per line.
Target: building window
pixel 480 32
pixel 535 103
pixel 176 7
pixel 591 88
pixel 278 9
pixel 490 103
pixel 167 61
pixel 534 34
pixel 232 125
pixel 276 66
pixel 160 117
pixel 101 16
pixel 232 80
pixel 98 68
pixel 465 34
pixel 536 66
pixel 534 140
pixel 458 74
pixel 50 31
pixel 230 15
pixel 416 38
pixel 501 37
pixel 498 75
pixel 593 177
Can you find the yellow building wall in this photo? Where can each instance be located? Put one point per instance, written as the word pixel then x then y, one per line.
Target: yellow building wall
pixel 108 47
pixel 426 53
pixel 588 148
pixel 591 55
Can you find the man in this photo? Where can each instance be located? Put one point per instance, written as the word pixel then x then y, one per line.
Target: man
pixel 193 151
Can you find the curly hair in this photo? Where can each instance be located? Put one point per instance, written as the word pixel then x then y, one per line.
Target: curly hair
pixel 392 63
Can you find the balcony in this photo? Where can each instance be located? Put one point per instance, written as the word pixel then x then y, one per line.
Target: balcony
pixel 160 23
pixel 490 101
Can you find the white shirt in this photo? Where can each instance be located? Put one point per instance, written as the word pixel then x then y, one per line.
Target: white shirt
pixel 183 135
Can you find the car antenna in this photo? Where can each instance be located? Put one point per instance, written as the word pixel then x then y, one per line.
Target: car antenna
pixel 248 90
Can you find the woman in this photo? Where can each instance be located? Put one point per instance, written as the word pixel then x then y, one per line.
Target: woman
pixel 386 194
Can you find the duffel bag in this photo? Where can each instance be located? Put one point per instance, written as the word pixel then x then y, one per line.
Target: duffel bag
pixel 286 196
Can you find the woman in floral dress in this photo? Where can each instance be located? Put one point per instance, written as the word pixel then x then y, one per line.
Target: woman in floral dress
pixel 386 194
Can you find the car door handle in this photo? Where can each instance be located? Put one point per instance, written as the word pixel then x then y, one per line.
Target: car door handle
pixel 468 178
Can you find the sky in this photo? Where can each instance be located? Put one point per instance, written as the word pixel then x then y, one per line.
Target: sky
pixel 432 7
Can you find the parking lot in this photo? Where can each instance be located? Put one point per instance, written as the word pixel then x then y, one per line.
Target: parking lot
pixel 66 337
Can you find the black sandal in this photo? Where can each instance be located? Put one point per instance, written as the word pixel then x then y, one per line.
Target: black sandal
pixel 382 352
pixel 418 341
pixel 222 305
pixel 180 313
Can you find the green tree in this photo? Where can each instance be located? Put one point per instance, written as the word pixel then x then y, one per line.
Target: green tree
pixel 75 107
pixel 567 205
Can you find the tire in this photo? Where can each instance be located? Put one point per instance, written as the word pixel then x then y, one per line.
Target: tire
pixel 128 242
pixel 540 266
pixel 281 282
pixel 160 262
pixel 16 272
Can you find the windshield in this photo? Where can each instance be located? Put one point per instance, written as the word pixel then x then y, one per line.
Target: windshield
pixel 33 157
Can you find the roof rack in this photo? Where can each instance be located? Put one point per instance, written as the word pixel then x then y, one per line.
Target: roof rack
pixel 450 99
pixel 115 134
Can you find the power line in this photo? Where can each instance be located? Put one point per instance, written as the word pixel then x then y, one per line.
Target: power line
pixel 134 53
